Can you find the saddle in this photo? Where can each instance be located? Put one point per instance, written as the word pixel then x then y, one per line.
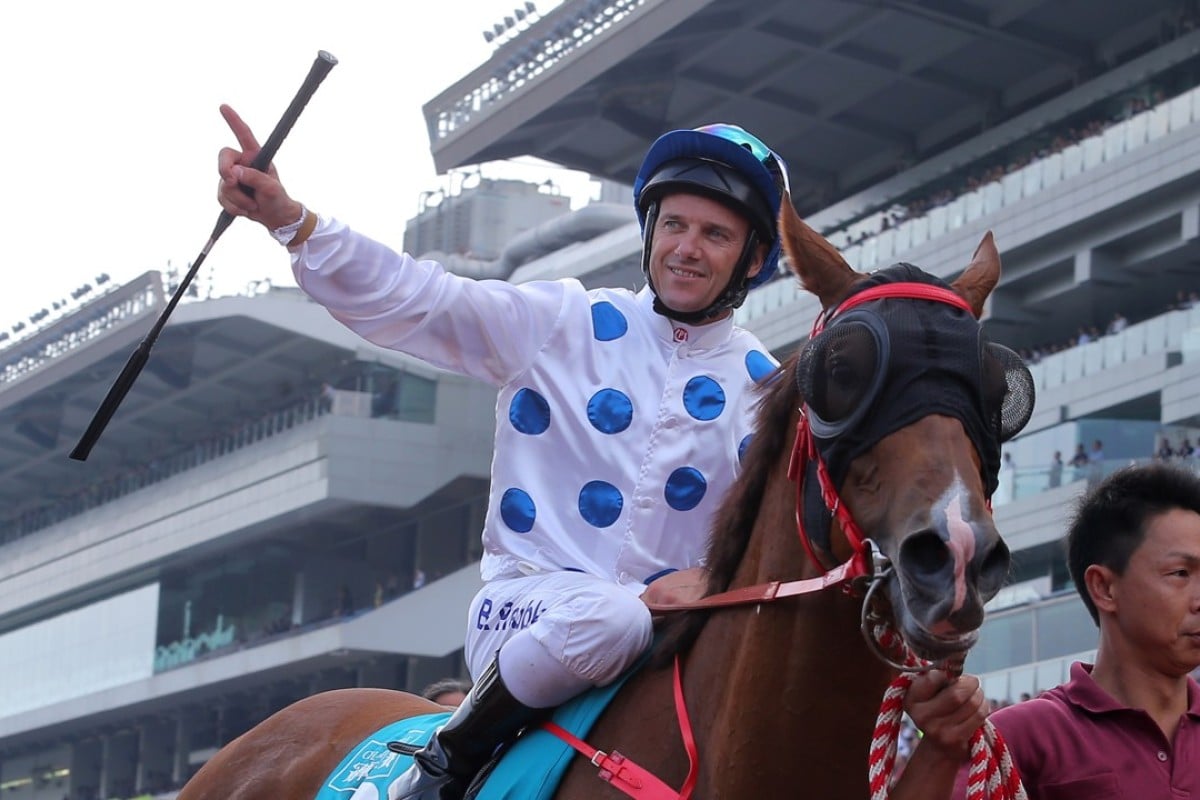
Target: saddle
pixel 529 769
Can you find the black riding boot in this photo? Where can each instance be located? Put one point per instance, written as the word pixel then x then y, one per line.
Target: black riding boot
pixel 489 717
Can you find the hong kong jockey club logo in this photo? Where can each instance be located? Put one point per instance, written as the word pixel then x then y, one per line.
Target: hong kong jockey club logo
pixel 681 334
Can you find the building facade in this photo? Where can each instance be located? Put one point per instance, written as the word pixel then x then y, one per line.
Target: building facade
pixel 280 508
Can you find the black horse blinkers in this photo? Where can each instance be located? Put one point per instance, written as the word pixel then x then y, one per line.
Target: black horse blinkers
pixel 879 362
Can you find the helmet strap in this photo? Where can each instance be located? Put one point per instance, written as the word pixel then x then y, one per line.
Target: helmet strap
pixel 730 297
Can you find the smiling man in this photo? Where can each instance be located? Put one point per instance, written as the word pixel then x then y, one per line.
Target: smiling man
pixel 695 248
pixel 1128 726
pixel 620 420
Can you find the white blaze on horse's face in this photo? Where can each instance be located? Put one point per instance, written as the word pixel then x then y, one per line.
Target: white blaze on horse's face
pixel 961 541
pixel 918 487
pixel 919 493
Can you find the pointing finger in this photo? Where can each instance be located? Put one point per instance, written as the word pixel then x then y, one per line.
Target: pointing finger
pixel 241 130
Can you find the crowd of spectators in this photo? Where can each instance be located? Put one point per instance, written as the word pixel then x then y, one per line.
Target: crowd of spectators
pixel 1018 156
pixel 277 620
pixel 1090 464
pixel 1091 332
pixel 301 406
pixel 1087 123
pixel 1181 452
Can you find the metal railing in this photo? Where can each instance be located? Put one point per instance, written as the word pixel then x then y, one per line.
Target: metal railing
pixel 159 469
pixel 559 34
pixel 883 248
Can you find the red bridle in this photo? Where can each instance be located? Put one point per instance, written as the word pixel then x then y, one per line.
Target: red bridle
pixel 991 764
pixel 865 560
pixel 804 448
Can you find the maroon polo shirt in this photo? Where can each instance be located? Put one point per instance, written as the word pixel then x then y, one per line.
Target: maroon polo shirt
pixel 1075 742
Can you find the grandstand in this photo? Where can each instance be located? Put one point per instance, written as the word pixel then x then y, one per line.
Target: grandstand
pixel 280 507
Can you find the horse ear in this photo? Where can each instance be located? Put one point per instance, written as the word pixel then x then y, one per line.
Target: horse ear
pixel 981 275
pixel 817 263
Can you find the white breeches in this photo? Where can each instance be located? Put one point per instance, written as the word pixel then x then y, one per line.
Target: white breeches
pixel 559 633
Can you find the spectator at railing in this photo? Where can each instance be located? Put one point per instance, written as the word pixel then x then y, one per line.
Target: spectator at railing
pixel 280 624
pixel 1007 488
pixel 1017 157
pixel 344 603
pixel 1118 324
pixel 1080 459
pixel 1056 470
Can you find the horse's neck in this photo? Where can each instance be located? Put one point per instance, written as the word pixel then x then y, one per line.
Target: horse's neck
pixel 787 693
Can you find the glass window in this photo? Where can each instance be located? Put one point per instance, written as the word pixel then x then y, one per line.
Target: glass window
pixel 116 634
pixel 1004 641
pixel 418 399
pixel 1064 628
pixel 1021 681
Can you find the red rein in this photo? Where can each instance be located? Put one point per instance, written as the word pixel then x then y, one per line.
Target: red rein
pixel 992 774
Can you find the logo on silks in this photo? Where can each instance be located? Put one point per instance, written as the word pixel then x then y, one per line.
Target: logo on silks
pixel 371 767
pixel 372 762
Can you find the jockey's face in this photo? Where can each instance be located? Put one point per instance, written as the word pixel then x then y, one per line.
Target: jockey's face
pixel 694 250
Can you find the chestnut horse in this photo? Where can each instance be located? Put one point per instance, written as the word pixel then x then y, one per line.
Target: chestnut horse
pixel 783 696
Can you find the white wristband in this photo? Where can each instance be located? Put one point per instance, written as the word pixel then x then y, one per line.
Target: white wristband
pixel 286 233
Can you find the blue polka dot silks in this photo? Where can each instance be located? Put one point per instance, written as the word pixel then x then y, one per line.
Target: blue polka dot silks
pixel 618 431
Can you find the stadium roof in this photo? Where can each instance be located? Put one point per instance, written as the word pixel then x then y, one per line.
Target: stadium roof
pixel 849 90
pixel 217 365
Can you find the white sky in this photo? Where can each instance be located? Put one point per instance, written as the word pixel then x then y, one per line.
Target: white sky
pixel 110 128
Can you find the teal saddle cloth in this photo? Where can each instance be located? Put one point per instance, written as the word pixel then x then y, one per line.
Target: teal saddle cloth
pixel 529 770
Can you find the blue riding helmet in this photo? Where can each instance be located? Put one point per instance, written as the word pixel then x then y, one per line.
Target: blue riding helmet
pixel 727 164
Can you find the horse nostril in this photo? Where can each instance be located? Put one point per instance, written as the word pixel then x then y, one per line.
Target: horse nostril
pixel 993 572
pixel 924 553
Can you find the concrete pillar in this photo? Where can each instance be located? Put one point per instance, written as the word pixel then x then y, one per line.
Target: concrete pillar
pixel 180 767
pixel 1189 223
pixel 86 757
pixel 120 764
pixel 1101 267
pixel 154 763
pixel 222 733
pixel 104 784
pixel 298 600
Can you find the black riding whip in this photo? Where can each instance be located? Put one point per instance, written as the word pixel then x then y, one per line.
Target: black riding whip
pixel 133 367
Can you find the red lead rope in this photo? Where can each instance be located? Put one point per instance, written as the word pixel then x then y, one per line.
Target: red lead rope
pixel 992 774
pixel 629 778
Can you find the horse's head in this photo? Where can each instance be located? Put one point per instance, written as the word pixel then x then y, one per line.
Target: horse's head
pixel 905 405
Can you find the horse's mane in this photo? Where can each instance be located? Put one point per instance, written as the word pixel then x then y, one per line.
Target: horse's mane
pixel 735 517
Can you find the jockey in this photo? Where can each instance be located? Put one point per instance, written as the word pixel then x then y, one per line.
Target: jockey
pixel 620 419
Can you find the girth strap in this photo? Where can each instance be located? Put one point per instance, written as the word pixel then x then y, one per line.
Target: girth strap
pixel 622 774
pixel 631 779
